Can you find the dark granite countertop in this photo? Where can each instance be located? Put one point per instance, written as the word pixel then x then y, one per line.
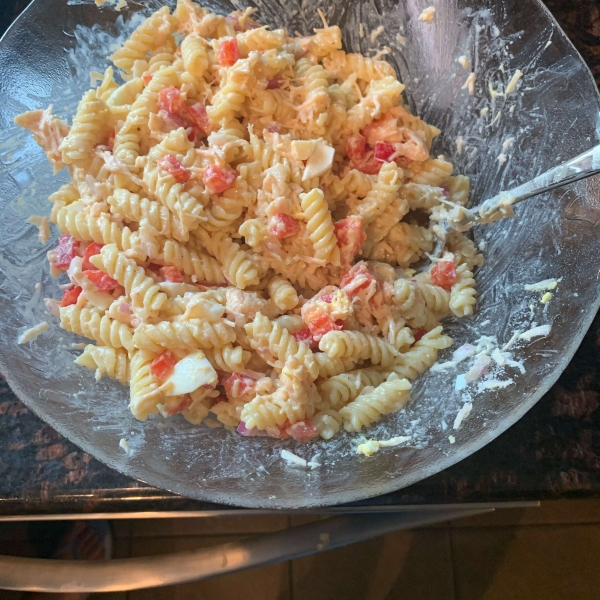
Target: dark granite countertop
pixel 552 452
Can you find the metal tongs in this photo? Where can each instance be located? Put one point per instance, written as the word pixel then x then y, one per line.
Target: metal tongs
pixel 459 218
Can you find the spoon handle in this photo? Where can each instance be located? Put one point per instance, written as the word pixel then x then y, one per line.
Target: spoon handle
pixel 580 167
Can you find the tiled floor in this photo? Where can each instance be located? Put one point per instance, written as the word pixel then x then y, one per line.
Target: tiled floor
pixel 546 553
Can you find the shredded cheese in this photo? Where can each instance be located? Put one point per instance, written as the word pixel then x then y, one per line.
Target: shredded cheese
pixel 31 333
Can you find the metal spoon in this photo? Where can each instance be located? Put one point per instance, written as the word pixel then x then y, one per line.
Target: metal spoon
pixel 500 206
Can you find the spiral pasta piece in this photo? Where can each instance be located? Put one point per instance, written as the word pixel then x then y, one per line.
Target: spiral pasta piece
pixel 194 264
pixel 151 34
pixel 382 194
pixel 408 299
pixel 195 57
pixel 327 423
pixel 146 296
pixel 228 358
pixel 387 398
pixel 314 110
pixel 433 171
pixel 112 362
pixel 228 102
pixel 319 225
pixel 102 230
pixel 342 64
pixel 329 367
pixel 422 355
pixel 464 250
pixel 270 339
pixel 184 335
pixel 229 206
pixel 135 129
pixel 90 128
pixel 272 410
pixel 90 323
pixel 283 294
pixel 463 295
pixel 143 395
pixel 358 346
pixel 341 389
pixel 237 264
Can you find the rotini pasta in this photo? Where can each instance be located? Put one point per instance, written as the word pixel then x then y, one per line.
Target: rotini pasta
pixel 243 212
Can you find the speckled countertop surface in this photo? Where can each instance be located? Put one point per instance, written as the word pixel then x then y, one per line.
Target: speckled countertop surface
pixel 552 452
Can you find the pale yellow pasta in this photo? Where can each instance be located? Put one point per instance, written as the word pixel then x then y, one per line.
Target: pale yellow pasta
pixel 91 125
pixel 358 346
pixel 112 362
pixel 145 294
pixel 463 294
pixel 320 226
pixel 185 335
pixel 283 294
pixel 90 323
pixel 422 355
pixel 151 34
pixel 387 398
pixel 230 208
pixel 337 391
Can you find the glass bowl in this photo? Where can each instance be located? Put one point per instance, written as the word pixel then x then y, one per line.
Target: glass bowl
pixel 552 115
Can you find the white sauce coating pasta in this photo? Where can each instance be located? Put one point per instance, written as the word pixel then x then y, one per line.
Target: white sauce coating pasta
pixel 239 203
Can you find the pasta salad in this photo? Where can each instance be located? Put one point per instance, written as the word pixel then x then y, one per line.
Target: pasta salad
pixel 238 232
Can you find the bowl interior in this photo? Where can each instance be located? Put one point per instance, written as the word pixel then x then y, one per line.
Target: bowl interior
pixel 551 116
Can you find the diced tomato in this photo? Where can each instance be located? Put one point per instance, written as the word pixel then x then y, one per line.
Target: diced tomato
pixel 66 250
pixel 185 403
pixel 350 238
pixel 283 226
pixel 101 280
pixel 358 279
pixel 162 365
pixel 228 52
pixel 320 323
pixel 303 431
pixel 153 267
pixel 443 274
pixel 305 336
pixel 70 295
pixel 147 78
pixel 326 298
pixel 172 120
pixel 237 384
pixel 274 84
pixel 172 166
pixel 445 190
pixel 171 274
pixel 419 333
pixel 90 251
pixel 198 117
pixel 383 151
pixel 356 147
pixel 218 179
pixel 369 168
pixel 170 99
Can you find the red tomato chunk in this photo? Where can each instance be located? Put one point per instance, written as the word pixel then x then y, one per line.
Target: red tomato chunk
pixel 356 147
pixel 350 238
pixel 66 250
pixel 283 226
pixel 173 167
pixel 218 179
pixel 70 296
pixel 198 117
pixel 171 274
pixel 274 84
pixel 303 431
pixel 170 99
pixel 321 323
pixel 370 168
pixel 237 384
pixel 383 151
pixel 104 282
pixel 444 274
pixel 305 336
pixel 185 403
pixel 228 52
pixel 419 333
pixel 162 365
pixel 90 251
pixel 147 78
